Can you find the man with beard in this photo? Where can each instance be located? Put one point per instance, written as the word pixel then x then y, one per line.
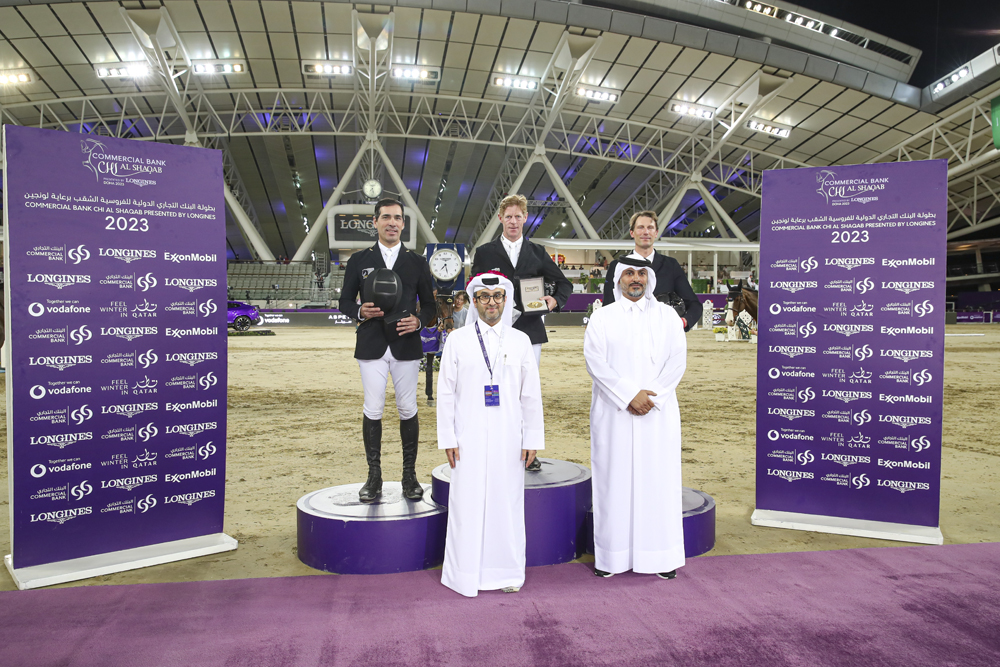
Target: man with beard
pixel 636 355
pixel 490 425
pixel 670 277
pixel 382 351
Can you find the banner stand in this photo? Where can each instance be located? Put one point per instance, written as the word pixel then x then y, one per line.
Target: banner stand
pixel 75 569
pixel 819 523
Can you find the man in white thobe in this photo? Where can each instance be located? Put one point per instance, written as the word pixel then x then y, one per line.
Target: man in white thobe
pixel 636 354
pixel 489 415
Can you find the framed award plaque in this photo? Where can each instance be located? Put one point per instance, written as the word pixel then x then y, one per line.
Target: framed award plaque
pixel 532 293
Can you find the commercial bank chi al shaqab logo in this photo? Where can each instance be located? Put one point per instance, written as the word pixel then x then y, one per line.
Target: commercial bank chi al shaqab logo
pixel 126 167
pixel 844 190
pixel 90 148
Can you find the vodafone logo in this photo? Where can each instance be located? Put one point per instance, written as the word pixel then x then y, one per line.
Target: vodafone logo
pixel 38 470
pixel 36 310
pixel 773 435
pixel 774 374
pixel 774 309
pixel 36 392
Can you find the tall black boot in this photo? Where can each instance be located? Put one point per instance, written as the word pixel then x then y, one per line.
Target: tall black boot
pixel 409 433
pixel 371 431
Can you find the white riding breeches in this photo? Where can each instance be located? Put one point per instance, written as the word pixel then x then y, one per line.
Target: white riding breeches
pixel 375 376
pixel 537 347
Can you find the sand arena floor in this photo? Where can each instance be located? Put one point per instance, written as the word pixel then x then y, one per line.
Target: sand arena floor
pixel 295 426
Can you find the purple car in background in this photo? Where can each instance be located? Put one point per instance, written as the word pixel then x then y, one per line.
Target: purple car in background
pixel 242 315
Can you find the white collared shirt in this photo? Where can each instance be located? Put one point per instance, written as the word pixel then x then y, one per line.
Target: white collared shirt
pixel 491 338
pixel 513 249
pixel 389 255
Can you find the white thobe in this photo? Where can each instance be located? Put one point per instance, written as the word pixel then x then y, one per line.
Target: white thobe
pixel 636 460
pixel 484 547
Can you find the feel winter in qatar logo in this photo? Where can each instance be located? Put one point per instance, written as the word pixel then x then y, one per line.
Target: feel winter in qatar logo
pixel 119 168
pixel 841 191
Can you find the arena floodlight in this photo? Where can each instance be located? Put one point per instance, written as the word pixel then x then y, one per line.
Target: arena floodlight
pixel 327 68
pixel 692 110
pixel 416 73
pixel 769 127
pixel 952 79
pixel 598 95
pixel 14 77
pixel 122 71
pixel 210 67
pixel 514 82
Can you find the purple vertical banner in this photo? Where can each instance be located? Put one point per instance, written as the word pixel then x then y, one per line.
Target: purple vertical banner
pixel 115 279
pixel 850 362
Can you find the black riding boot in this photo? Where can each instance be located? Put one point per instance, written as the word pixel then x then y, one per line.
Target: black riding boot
pixel 371 431
pixel 409 433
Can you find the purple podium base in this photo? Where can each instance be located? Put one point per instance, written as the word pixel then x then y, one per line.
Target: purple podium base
pixel 337 533
pixel 699 523
pixel 556 500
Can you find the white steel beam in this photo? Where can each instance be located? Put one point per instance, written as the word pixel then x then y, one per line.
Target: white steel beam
pixel 249 231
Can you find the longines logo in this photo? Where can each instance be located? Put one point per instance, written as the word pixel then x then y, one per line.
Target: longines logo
pixel 842 191
pixel 127 255
pixel 791 413
pixel 62 439
pixel 190 284
pixel 904 486
pixel 61 516
pixel 908 286
pixel 846 396
pixel 128 483
pixel 129 333
pixel 792 351
pixel 904 421
pixel 790 475
pixel 849 329
pixel 189 498
pixel 793 285
pixel 190 430
pixel 60 363
pixel 192 358
pixel 366 226
pixel 58 280
pixel 845 459
pixel 849 263
pixel 129 409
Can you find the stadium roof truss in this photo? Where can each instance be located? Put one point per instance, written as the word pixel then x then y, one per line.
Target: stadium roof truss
pixel 287 136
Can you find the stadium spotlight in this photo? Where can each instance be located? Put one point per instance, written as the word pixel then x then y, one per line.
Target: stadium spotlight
pixel 694 110
pixel 208 67
pixel 599 95
pixel 769 127
pixel 122 71
pixel 326 68
pixel 514 82
pixel 15 77
pixel 952 79
pixel 416 73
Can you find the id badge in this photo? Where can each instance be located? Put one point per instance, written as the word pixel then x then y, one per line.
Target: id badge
pixel 492 394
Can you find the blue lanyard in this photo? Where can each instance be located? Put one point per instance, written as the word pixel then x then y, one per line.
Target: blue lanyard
pixel 486 357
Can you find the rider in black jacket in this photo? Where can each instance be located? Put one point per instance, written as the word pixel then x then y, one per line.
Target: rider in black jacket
pixel 381 354
pixel 669 275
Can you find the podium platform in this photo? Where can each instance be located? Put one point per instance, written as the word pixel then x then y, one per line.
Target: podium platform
pixel 338 533
pixel 699 523
pixel 556 501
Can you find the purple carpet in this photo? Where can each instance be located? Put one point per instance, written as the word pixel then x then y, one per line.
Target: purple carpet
pixel 908 606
